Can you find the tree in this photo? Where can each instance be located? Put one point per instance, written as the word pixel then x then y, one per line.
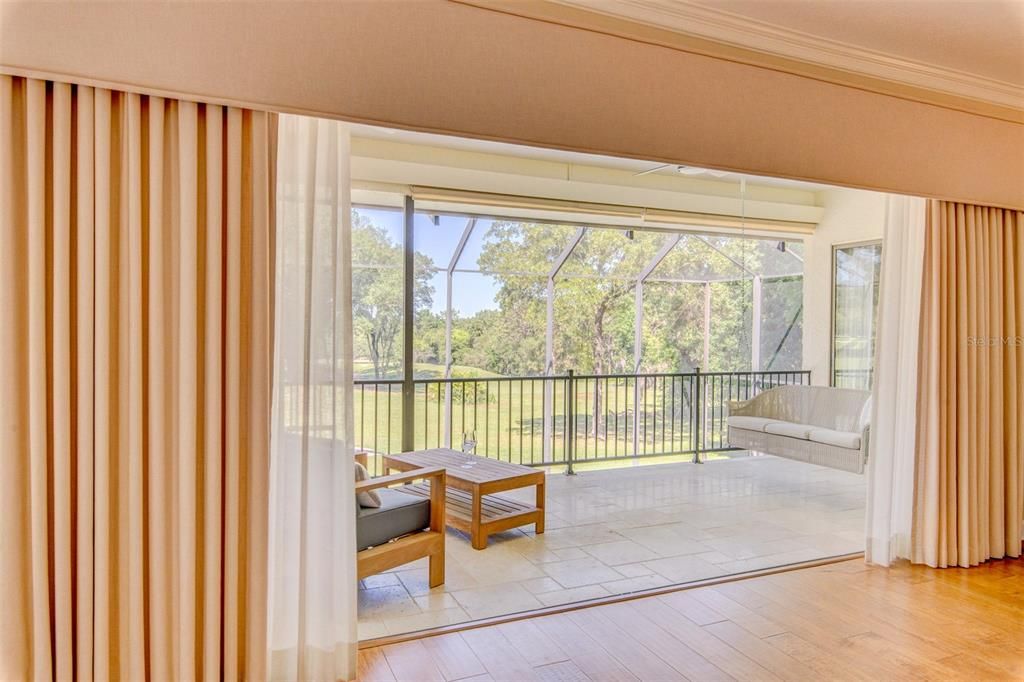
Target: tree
pixel 377 286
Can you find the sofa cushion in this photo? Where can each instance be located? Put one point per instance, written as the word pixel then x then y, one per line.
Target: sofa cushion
pixel 398 514
pixel 749 423
pixel 788 429
pixel 842 439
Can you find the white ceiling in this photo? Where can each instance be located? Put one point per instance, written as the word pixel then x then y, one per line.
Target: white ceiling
pixel 969 47
pixel 559 156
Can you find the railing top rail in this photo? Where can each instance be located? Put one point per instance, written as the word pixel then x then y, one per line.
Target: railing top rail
pixel 562 377
pixel 773 372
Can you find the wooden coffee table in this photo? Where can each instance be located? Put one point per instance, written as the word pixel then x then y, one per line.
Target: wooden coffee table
pixel 473 481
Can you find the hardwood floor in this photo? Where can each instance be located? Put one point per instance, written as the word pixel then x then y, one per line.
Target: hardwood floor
pixel 844 621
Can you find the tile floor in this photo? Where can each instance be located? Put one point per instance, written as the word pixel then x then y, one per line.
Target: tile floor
pixel 621 530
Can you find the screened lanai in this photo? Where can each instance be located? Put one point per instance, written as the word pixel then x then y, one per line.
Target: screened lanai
pixel 504 310
pixel 582 348
pixel 589 339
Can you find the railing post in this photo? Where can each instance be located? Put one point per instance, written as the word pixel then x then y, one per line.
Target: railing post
pixel 448 388
pixel 636 416
pixel 548 417
pixel 698 401
pixel 570 422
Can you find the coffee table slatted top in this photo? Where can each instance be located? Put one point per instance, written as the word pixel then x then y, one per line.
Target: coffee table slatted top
pixel 469 471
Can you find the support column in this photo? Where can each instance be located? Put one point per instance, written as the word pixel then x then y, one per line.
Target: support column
pixel 638 335
pixel 707 325
pixel 448 360
pixel 637 355
pixel 549 354
pixel 549 342
pixel 408 320
pixel 459 248
pixel 755 326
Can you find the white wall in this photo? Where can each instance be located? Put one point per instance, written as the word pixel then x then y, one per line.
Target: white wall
pixel 850 216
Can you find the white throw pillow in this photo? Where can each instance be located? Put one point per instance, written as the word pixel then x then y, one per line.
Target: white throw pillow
pixel 370 498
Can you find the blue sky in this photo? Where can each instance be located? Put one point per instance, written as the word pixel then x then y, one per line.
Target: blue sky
pixel 472 292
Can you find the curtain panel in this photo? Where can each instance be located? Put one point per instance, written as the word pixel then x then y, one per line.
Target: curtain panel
pixel 969 473
pixel 890 471
pixel 312 498
pixel 136 280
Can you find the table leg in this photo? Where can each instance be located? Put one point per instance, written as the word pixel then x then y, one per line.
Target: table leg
pixel 538 527
pixel 477 535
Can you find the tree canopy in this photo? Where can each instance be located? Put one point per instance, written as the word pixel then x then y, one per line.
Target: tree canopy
pixel 594 302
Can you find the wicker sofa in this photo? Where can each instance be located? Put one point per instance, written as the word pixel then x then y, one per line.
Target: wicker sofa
pixel 825 426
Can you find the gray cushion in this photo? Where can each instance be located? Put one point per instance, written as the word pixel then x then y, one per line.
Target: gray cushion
pixel 399 514
pixel 789 429
pixel 750 423
pixel 842 439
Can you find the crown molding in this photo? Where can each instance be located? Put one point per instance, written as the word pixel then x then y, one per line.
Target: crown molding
pixel 733 29
pixel 680 25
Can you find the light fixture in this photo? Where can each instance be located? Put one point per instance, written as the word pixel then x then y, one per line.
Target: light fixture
pixel 683 170
pixel 693 170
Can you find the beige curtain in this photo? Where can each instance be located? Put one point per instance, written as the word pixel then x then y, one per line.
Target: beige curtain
pixel 969 492
pixel 135 355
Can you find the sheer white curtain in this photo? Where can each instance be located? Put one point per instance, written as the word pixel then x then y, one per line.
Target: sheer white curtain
pixel 312 616
pixel 894 403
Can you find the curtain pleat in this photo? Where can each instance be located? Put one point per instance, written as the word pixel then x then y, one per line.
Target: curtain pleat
pixel 969 492
pixel 136 241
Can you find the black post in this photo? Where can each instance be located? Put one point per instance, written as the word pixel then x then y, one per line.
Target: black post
pixel 570 422
pixel 408 312
pixel 699 418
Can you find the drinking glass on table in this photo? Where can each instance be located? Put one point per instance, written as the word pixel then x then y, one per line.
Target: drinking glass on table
pixel 469 442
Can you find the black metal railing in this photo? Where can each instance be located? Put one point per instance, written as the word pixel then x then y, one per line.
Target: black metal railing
pixel 558 420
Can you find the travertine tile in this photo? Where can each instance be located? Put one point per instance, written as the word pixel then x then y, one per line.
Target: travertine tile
pixel 422 621
pixel 573 595
pixel 643 582
pixel 484 602
pixel 581 572
pixel 681 569
pixel 436 601
pixel 620 552
pixel 628 529
pixel 371 628
pixel 386 602
pixel 633 570
pixel 538 585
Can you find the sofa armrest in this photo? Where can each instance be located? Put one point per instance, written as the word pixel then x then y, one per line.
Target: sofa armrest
pixel 437 473
pixel 739 407
pixel 438 479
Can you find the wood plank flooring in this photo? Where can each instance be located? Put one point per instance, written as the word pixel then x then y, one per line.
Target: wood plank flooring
pixel 843 621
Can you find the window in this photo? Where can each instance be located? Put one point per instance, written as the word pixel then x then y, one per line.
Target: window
pixel 855 276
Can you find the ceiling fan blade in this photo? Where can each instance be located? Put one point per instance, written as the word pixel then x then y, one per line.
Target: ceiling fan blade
pixel 653 170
